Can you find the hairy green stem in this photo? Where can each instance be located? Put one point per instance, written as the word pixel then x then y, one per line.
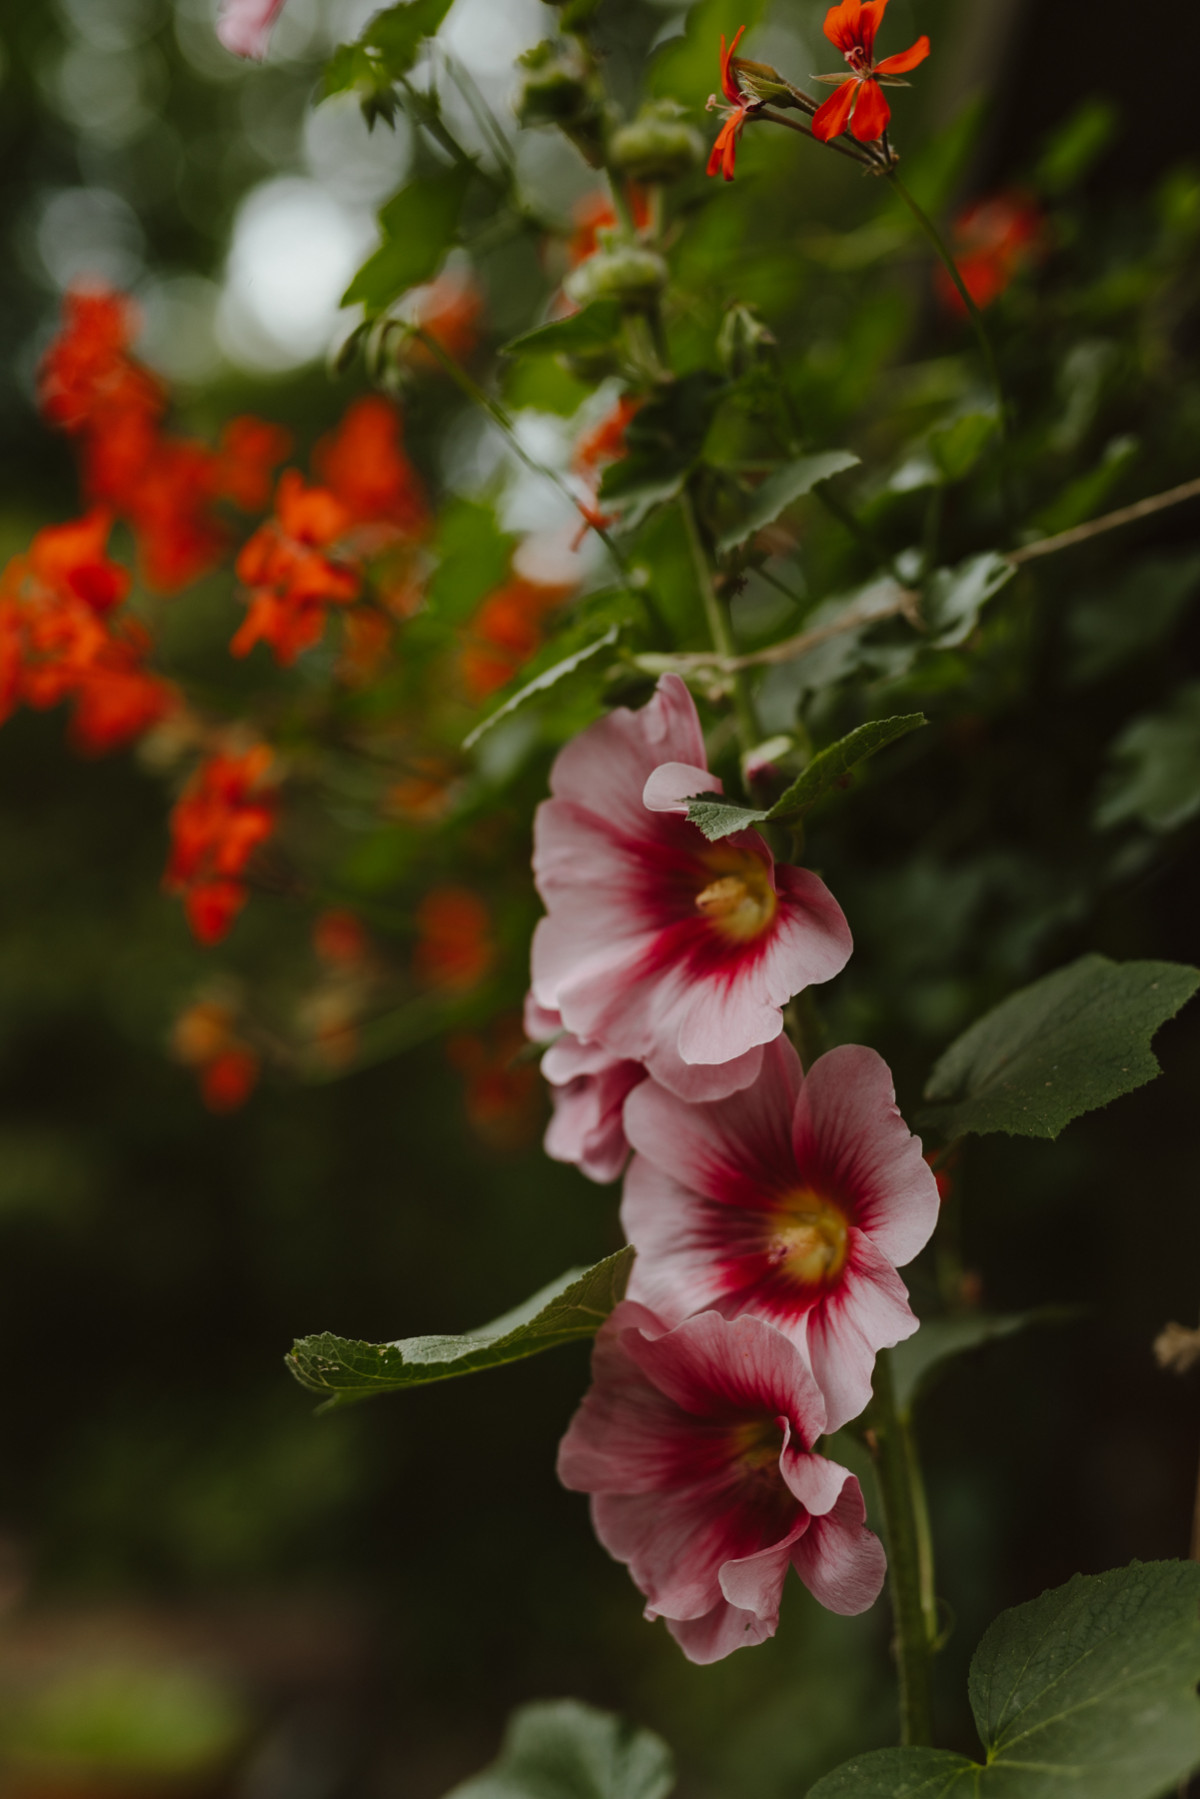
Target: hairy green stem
pixel 910 1559
pixel 718 626
pixel 976 317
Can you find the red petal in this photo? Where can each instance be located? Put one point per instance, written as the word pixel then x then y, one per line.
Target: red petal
pixel 871 114
pixel 842 25
pixel 728 85
pixel 872 19
pixel 907 59
pixel 830 120
pixel 724 150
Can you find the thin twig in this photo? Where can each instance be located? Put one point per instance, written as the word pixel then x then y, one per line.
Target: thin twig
pixel 901 602
pixel 777 118
pixel 1111 521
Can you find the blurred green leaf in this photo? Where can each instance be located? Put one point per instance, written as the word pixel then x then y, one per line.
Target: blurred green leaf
pixel 916 1361
pixel 1155 767
pixel 419 224
pixel 1109 628
pixel 1074 146
pixel 955 597
pixel 1073 1041
pixel 473 557
pixel 718 818
pixel 599 624
pixel 687 67
pixel 397 31
pixel 1084 498
pixel 568 1750
pixel 663 445
pixel 957 445
pixel 573 1306
pixel 779 490
pixel 1090 1689
pixel 591 328
pixel 936 172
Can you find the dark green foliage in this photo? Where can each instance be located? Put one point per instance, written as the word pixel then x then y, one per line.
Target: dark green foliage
pixel 566 1750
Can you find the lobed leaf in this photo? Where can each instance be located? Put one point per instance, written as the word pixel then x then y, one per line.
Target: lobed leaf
pixel 1154 775
pixel 567 1750
pixel 419 224
pixel 780 490
pixel 718 817
pixel 955 597
pixel 591 328
pixel 573 1306
pixel 1073 1041
pixel 1090 1689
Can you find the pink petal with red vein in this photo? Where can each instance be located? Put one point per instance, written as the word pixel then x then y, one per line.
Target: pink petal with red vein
pixel 606 767
pixel 839 1560
pixel 670 787
pixel 865 1312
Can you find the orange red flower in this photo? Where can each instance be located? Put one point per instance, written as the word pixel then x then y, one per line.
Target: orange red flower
pixel 504 633
pixel 741 107
pixel 993 240
pixel 225 812
pixel 292 581
pixel 859 102
pixel 594 213
pixel 364 466
pixel 205 1038
pixel 455 948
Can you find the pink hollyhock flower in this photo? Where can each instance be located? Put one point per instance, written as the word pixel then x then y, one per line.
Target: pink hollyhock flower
pixel 659 946
pixel 793 1201
pixel 244 26
pixel 696 1445
pixel 589 1089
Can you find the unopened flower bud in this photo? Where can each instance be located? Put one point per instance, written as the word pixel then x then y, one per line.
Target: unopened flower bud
pixel 743 340
pixel 556 89
pixel 762 82
pixel 618 270
pixel 659 145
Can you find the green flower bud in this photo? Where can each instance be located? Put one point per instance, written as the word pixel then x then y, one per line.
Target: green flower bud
pixel 618 270
pixel 557 89
pixel 659 145
pixel 744 341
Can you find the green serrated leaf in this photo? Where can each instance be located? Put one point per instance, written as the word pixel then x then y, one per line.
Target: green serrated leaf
pixel 956 596
pixel 1155 767
pixel 919 1359
pixel 591 328
pixel 568 1750
pixel 541 683
pixel 419 224
pixel 1089 1690
pixel 473 557
pixel 397 32
pixel 571 1307
pixel 718 818
pixel 1069 1043
pixel 780 490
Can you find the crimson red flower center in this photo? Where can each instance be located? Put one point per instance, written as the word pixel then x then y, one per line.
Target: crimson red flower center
pixel 739 901
pixel 811 1239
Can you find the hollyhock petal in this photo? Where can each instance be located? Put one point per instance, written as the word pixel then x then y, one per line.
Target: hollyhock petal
pixel 587 1128
pixel 816 1482
pixel 675 1272
pixel 606 767
pixel 866 1312
pixel 542 1023
pixel 904 59
pixel 849 1133
pixel 831 119
pixel 872 113
pixel 697 1082
pixel 719 1632
pixel 244 26
pixel 670 787
pixel 839 1560
pixel 708 1363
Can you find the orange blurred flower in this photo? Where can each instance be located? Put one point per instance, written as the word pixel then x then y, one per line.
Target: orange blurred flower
pixel 424 794
pixel 340 938
pixel 292 582
pixel 594 213
pixel 363 465
pixel 454 948
pixel 205 1038
pixel 740 106
pixel 224 813
pixel 503 1095
pixel 449 310
pixel 597 448
pixel 504 633
pixel 992 241
pixel 249 452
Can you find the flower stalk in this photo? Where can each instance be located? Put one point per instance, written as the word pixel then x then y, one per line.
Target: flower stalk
pixel 910 1555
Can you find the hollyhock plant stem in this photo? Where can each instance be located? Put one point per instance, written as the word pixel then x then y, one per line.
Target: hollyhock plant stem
pixel 719 629
pixel 910 1560
pixel 943 251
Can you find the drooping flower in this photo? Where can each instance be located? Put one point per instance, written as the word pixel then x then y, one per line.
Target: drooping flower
pixel 993 240
pixel 659 946
pixel 859 102
pixel 740 107
pixel 697 1446
pixel 793 1201
pixel 244 26
pixel 589 1089
pixel 225 812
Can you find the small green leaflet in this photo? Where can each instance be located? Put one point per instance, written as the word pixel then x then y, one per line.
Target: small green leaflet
pixel 717 818
pixel 573 1306
pixel 1067 1044
pixel 955 597
pixel 917 1361
pixel 568 1750
pixel 1090 1690
pixel 388 47
pixel 591 328
pixel 419 224
pixel 1154 773
pixel 779 490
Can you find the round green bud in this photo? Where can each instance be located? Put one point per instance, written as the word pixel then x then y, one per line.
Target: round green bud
pixel 618 270
pixel 659 145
